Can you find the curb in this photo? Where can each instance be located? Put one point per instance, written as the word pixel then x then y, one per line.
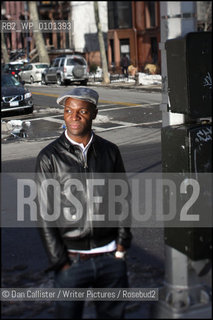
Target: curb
pixel 156 88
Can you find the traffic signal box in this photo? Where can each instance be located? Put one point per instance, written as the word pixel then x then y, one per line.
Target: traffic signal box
pixel 187 148
pixel 189 68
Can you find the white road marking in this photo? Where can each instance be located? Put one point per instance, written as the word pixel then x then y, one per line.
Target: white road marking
pixel 130 107
pixel 124 125
pixel 53 119
pixel 106 105
pixel 44 118
pixel 120 124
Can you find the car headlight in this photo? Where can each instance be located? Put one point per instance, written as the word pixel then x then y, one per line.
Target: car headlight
pixel 27 95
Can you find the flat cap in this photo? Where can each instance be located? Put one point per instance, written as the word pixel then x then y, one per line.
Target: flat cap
pixel 81 93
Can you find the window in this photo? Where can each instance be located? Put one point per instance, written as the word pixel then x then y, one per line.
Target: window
pixel 75 62
pixel 15 66
pixel 62 62
pixel 111 41
pixel 58 40
pixel 119 14
pixel 124 48
pixel 56 63
pixel 67 40
pixel 154 50
pixel 41 66
pixel 124 14
pixel 150 14
pixel 6 68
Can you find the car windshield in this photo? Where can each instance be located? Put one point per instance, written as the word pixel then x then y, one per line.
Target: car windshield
pixel 41 66
pixel 75 62
pixel 16 66
pixel 9 81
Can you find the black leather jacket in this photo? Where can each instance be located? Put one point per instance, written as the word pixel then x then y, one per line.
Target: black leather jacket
pixel 62 161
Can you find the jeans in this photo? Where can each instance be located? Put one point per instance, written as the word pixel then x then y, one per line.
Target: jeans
pixel 103 271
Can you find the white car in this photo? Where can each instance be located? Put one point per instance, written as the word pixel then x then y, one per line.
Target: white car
pixel 32 72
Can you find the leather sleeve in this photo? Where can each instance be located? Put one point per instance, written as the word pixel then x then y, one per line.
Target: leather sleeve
pixel 124 232
pixel 50 235
pixel 124 237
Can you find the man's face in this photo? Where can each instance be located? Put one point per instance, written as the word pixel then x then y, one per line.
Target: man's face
pixel 78 116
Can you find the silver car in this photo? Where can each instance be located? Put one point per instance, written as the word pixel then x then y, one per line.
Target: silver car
pixel 68 68
pixel 32 72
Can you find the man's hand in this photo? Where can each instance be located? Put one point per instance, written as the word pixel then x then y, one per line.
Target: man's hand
pixel 120 248
pixel 120 252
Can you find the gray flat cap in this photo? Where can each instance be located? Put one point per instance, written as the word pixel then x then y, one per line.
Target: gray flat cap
pixel 81 93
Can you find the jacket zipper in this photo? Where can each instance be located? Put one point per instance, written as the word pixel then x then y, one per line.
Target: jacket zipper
pixel 85 167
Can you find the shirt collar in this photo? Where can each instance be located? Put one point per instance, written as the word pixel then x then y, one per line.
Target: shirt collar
pixel 79 144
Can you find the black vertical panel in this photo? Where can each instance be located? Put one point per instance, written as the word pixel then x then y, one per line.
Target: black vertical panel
pixel 187 149
pixel 189 63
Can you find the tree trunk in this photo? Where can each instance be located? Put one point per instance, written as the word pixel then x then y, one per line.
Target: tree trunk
pixel 71 42
pixel 4 49
pixel 39 40
pixel 208 16
pixel 101 44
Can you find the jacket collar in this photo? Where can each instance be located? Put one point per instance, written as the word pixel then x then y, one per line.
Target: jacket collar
pixel 71 147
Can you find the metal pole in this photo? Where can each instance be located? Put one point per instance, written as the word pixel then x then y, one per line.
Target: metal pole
pixel 182 295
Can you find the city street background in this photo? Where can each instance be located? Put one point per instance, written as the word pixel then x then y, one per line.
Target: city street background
pixel 131 118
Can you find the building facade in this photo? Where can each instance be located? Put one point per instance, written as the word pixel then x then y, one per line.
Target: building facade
pixel 85 37
pixel 134 31
pixel 14 11
pixel 48 11
pixel 129 27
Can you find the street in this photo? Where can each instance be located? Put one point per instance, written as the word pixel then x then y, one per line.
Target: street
pixel 129 118
pixel 132 120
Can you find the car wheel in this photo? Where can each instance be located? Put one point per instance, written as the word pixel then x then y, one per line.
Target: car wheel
pixel 43 80
pixel 84 82
pixel 28 111
pixel 78 72
pixel 59 80
pixel 31 79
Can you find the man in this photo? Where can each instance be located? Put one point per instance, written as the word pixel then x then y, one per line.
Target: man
pixel 125 64
pixel 82 255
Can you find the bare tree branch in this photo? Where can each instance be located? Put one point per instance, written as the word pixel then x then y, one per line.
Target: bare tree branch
pixel 101 44
pixel 39 40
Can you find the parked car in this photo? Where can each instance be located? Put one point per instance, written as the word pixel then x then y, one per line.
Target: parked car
pixel 32 72
pixel 69 68
pixel 13 68
pixel 17 54
pixel 14 97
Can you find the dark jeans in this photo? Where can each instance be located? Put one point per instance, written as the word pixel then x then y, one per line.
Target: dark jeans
pixel 103 271
pixel 125 71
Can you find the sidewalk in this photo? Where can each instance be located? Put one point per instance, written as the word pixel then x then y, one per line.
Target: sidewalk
pixel 141 81
pixel 127 85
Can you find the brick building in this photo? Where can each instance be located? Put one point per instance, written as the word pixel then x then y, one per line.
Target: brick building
pixel 134 31
pixel 47 10
pixel 13 11
pixel 133 28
